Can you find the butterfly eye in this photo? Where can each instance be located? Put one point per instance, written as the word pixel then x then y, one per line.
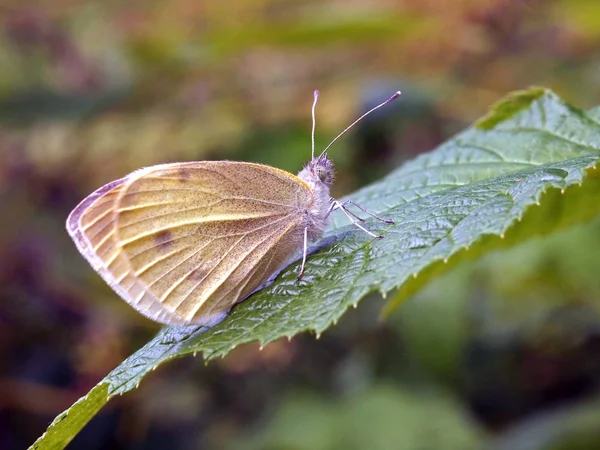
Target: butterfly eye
pixel 321 173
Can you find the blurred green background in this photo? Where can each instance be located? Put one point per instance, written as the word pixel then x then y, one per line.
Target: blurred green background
pixel 502 353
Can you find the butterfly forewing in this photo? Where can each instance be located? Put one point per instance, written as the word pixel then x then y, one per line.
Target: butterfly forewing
pixel 184 242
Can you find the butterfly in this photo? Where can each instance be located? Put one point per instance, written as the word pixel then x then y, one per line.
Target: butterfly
pixel 182 243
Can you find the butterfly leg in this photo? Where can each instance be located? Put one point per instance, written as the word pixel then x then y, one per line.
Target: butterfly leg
pixel 304 254
pixel 350 202
pixel 333 206
pixel 349 214
pixel 336 205
pixel 353 215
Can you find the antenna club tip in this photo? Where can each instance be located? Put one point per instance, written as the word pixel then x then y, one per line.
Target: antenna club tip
pixel 316 93
pixel 396 95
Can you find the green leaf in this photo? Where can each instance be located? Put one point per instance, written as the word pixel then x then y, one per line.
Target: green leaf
pixel 527 168
pixel 67 424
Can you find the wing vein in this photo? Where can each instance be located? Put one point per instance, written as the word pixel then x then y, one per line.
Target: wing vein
pixel 176 266
pixel 196 222
pixel 219 262
pixel 103 240
pixel 156 261
pixel 95 221
pixel 195 310
pixel 162 243
pixel 246 281
pixel 184 277
pixel 208 205
pixel 187 274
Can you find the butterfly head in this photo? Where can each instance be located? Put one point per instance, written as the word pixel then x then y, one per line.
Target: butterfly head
pixel 321 168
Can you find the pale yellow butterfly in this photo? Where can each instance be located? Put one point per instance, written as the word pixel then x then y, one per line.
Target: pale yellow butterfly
pixel 182 243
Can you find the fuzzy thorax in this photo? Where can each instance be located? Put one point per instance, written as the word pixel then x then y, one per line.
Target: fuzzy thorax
pixel 318 174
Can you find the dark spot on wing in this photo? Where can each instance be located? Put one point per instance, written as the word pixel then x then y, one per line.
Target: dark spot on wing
pixel 163 239
pixel 199 273
pixel 183 174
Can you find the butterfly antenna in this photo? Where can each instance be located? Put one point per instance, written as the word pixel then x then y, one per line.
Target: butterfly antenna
pixel 389 100
pixel 314 122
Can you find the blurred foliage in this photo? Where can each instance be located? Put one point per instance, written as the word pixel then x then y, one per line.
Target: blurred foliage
pixel 92 90
pixel 382 417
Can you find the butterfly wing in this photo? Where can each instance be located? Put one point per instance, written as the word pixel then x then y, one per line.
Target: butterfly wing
pixel 182 243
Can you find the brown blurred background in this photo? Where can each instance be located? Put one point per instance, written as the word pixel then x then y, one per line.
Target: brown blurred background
pixel 502 352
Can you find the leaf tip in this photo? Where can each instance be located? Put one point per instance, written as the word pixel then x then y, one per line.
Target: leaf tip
pixel 509 106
